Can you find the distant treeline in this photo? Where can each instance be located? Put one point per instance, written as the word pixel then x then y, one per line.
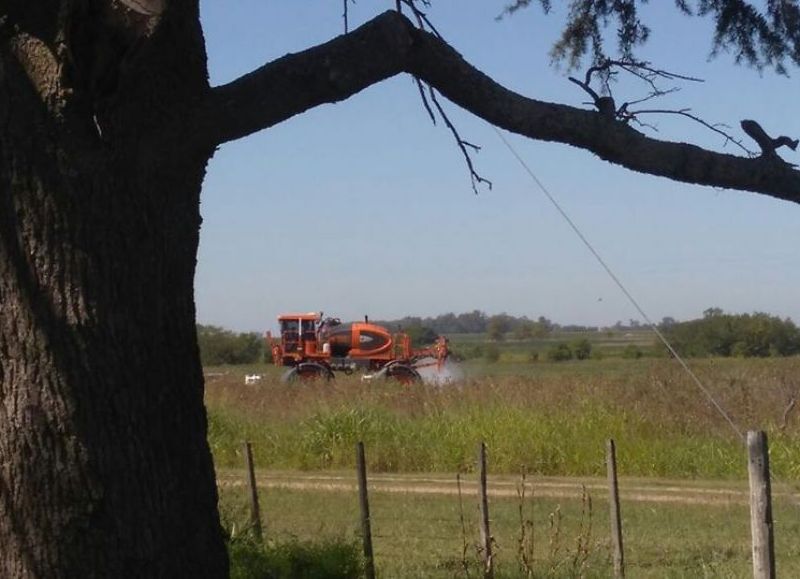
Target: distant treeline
pixel 219 346
pixel 478 322
pixel 755 335
pixel 715 334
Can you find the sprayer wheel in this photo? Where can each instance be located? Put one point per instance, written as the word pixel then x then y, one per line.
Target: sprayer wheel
pixel 402 373
pixel 307 372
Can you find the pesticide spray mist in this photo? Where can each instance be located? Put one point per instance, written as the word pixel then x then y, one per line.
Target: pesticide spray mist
pixel 431 373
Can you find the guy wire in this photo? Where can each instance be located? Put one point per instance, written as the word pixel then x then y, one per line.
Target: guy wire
pixel 622 288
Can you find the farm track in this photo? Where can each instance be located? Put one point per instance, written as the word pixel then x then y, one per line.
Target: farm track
pixel 722 493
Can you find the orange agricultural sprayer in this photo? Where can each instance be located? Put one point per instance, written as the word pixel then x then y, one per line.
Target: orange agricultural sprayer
pixel 313 347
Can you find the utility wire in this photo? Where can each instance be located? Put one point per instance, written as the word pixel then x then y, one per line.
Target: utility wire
pixel 622 287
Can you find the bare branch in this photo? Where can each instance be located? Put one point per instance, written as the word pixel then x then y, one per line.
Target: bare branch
pixel 422 22
pixel 651 96
pixel 425 99
pixel 585 86
pixel 475 178
pixel 643 71
pixel 685 113
pixel 640 69
pixel 605 104
pixel 420 16
pixel 642 124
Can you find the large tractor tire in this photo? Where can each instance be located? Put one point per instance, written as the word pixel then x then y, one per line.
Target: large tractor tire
pixel 400 373
pixel 307 372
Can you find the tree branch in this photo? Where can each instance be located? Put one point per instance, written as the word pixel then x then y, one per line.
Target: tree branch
pixel 390 44
pixel 634 116
pixel 475 178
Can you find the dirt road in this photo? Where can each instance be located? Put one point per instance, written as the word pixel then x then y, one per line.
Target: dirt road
pixel 641 490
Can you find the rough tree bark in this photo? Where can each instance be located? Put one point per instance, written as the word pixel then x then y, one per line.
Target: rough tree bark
pixel 106 125
pixel 104 466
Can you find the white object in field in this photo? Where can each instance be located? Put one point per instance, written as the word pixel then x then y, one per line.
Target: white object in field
pixel 252 378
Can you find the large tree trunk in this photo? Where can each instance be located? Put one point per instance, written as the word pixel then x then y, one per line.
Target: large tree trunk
pixel 104 466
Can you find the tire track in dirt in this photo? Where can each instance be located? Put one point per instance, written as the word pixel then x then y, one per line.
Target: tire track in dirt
pixel 656 491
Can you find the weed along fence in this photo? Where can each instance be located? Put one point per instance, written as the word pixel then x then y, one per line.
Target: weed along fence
pixel 481 555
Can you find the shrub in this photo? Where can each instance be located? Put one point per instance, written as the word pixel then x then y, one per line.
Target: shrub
pixel 581 349
pixel 559 353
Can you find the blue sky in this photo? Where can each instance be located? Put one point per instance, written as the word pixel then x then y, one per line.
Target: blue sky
pixel 364 207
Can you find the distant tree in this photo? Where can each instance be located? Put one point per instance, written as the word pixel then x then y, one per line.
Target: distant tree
pixel 497 327
pixel 421 335
pixel 545 326
pixel 446 324
pixel 667 322
pixel 473 322
pixel 712 312
pixel 524 329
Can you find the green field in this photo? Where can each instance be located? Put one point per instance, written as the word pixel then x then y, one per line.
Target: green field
pixel 421 535
pixel 553 421
pixel 547 419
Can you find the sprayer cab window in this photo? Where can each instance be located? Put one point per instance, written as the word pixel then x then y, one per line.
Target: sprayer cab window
pixel 308 329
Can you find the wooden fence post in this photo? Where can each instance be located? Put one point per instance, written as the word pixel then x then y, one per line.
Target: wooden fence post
pixel 760 506
pixel 616 520
pixel 255 511
pixel 366 529
pixel 483 507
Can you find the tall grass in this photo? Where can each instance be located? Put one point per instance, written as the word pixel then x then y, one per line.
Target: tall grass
pixel 551 424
